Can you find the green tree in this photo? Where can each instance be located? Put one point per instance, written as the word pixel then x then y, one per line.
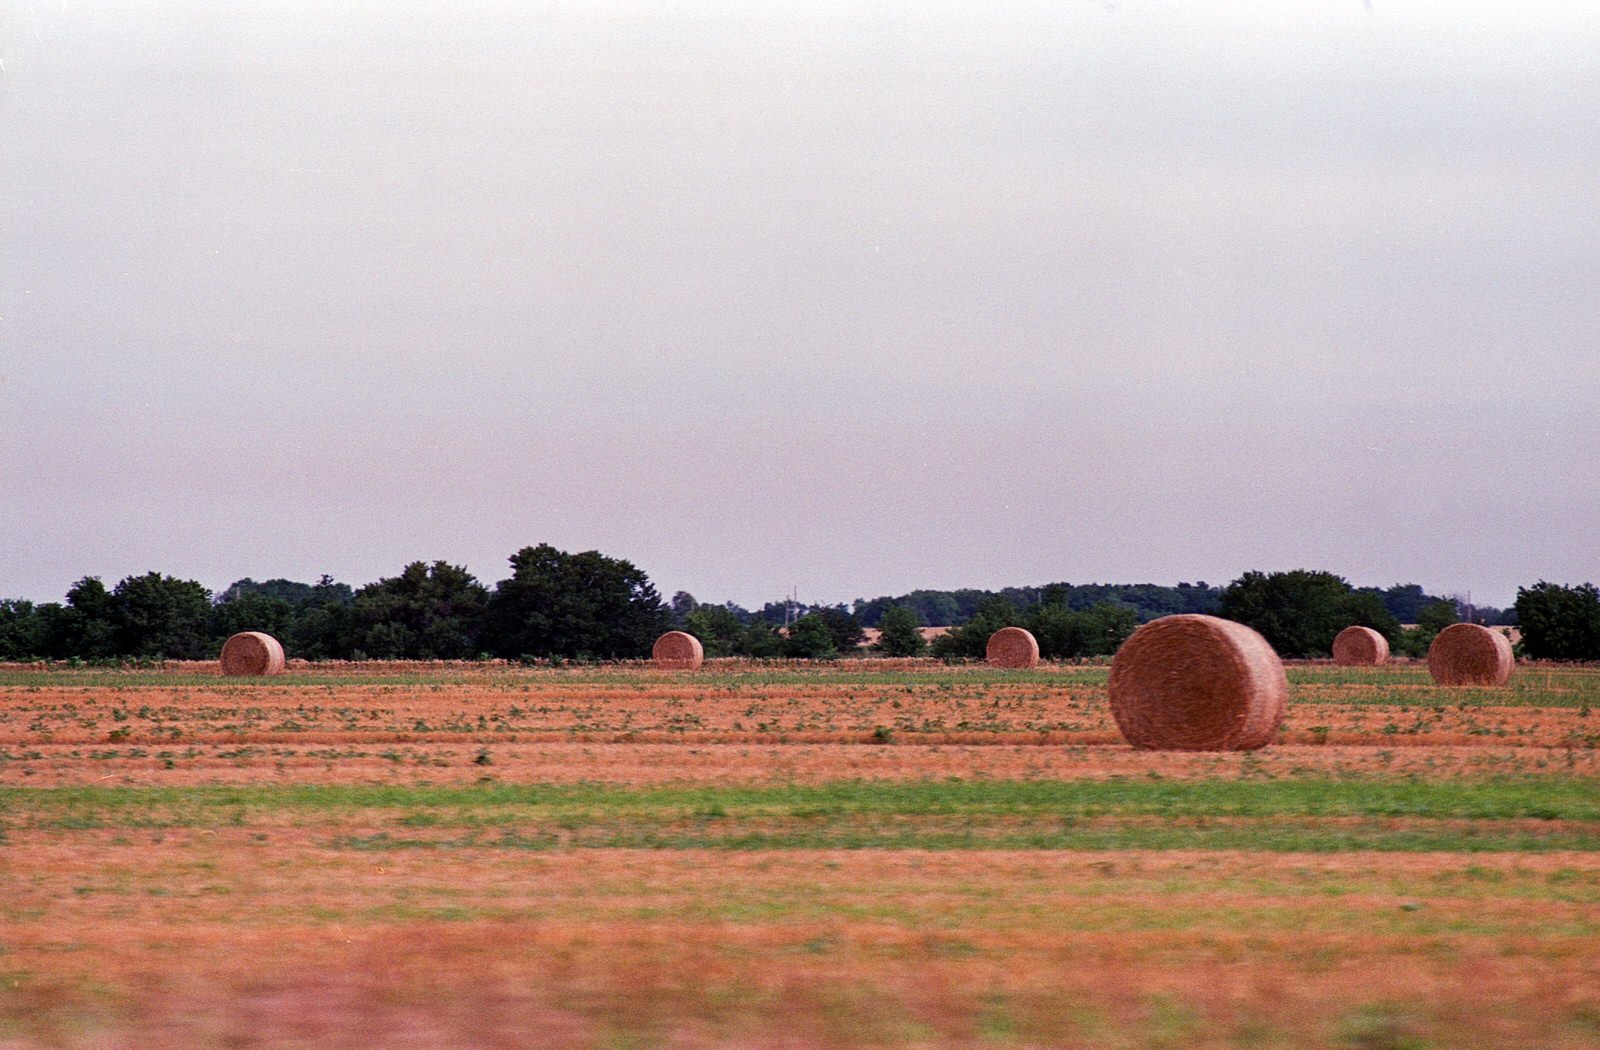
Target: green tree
pixel 970 641
pixel 426 613
pixel 24 630
pixel 810 639
pixel 1063 634
pixel 158 616
pixel 251 610
pixel 844 628
pixel 322 628
pixel 1431 619
pixel 574 605
pixel 761 640
pixel 718 629
pixel 1300 612
pixel 86 626
pixel 902 634
pixel 1559 623
pixel 682 604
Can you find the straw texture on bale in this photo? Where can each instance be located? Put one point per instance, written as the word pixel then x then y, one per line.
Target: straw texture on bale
pixel 1360 647
pixel 1470 654
pixel 1197 683
pixel 1012 647
pixel 678 651
pixel 252 653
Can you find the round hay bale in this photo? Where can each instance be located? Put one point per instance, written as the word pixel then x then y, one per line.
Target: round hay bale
pixel 1360 647
pixel 252 653
pixel 1470 654
pixel 678 651
pixel 1197 683
pixel 1012 647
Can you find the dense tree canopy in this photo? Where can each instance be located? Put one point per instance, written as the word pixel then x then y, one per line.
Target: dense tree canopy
pixel 588 605
pixel 1559 623
pixel 574 606
pixel 426 613
pixel 902 633
pixel 1300 612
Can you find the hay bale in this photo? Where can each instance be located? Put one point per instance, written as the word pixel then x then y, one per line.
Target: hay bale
pixel 1360 647
pixel 252 653
pixel 678 651
pixel 1014 647
pixel 1197 683
pixel 1470 654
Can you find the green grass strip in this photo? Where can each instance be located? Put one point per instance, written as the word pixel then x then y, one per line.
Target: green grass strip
pixel 1498 798
pixel 1541 813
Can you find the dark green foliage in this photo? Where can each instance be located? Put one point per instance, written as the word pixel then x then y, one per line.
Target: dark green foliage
pixel 23 630
pixel 1431 619
pixel 810 639
pixel 843 628
pixel 1559 623
pixel 155 616
pixel 901 633
pixel 969 641
pixel 323 623
pixel 294 593
pixel 426 613
pixel 574 606
pixel 718 629
pixel 1300 612
pixel 761 640
pixel 947 608
pixel 1062 633
pixel 1100 630
pixel 683 603
pixel 252 611
pixel 86 628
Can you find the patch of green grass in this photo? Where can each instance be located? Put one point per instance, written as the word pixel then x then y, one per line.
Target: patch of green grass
pixel 1321 815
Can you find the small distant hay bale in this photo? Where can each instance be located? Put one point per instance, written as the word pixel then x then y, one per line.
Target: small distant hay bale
pixel 1360 647
pixel 1197 683
pixel 1014 647
pixel 678 651
pixel 1470 654
pixel 252 653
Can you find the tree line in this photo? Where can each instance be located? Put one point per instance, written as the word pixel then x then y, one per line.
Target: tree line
pixel 556 605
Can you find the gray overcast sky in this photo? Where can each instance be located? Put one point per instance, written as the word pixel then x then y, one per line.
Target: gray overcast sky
pixel 849 297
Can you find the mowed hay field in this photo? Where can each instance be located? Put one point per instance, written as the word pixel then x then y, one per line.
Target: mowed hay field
pixel 864 854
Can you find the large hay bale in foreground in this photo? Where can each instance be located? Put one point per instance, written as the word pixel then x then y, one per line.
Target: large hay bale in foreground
pixel 252 653
pixel 678 651
pixel 1197 683
pixel 1014 647
pixel 1470 654
pixel 1360 647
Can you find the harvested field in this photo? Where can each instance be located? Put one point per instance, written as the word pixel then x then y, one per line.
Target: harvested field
pixel 867 854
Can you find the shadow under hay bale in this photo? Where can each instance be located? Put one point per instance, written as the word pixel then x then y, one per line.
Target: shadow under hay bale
pixel 1360 647
pixel 678 651
pixel 1012 647
pixel 1470 654
pixel 252 653
pixel 1197 683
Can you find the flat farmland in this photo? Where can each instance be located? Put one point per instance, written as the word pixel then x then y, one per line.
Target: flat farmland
pixel 862 854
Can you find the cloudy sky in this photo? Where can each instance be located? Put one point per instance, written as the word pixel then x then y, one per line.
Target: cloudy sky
pixel 851 298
